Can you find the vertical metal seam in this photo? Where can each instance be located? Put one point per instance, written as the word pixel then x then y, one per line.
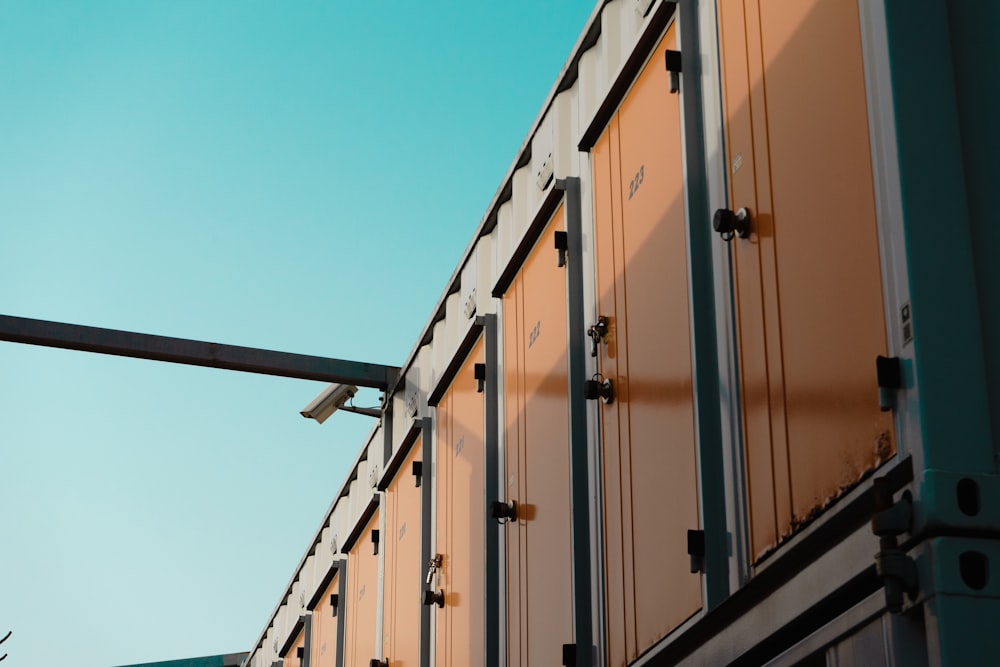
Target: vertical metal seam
pixel 341 610
pixel 579 459
pixel 491 492
pixel 307 642
pixel 425 534
pixel 705 369
pixel 380 563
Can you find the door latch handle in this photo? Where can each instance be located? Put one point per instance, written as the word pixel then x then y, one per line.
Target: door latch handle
pixel 434 597
pixel 598 333
pixel 432 567
pixel 729 224
pixel 503 512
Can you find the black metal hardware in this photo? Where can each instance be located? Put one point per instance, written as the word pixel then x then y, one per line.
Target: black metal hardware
pixel 696 550
pixel 598 333
pixel 673 63
pixel 375 662
pixel 479 370
pixel 503 512
pixel 673 59
pixel 299 652
pixel 433 566
pixel 889 371
pixel 418 471
pixel 891 519
pixel 562 245
pixel 375 538
pixel 434 597
pixel 595 389
pixel 334 603
pixel 569 655
pixel 729 224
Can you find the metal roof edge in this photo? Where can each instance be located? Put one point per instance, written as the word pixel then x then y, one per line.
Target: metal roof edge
pixel 586 41
pixel 351 476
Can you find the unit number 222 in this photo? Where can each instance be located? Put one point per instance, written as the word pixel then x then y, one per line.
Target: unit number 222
pixel 633 185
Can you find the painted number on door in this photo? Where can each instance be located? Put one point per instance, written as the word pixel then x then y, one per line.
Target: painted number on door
pixel 633 185
pixel 534 333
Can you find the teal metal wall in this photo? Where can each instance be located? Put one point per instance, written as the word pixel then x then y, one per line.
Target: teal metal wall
pixel 226 660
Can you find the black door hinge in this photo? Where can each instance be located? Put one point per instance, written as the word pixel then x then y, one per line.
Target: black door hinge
pixel 569 655
pixel 375 542
pixel 889 372
pixel 479 371
pixel 561 241
pixel 696 550
pixel 673 59
pixel 890 520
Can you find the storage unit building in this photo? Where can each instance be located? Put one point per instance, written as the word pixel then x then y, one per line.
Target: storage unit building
pixel 715 381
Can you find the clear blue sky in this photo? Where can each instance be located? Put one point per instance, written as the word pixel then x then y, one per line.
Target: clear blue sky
pixel 299 176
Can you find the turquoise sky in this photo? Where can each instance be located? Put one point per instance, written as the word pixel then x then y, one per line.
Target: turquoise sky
pixel 299 176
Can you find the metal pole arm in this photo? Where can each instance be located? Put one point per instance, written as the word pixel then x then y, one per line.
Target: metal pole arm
pixel 195 353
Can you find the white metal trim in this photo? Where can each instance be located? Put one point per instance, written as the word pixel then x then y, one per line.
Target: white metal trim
pixel 889 211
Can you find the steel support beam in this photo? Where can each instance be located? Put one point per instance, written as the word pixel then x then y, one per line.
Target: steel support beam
pixel 579 462
pixel 194 352
pixel 494 624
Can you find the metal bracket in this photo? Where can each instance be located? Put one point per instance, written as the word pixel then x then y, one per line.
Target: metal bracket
pixel 889 372
pixel 375 538
pixel 334 603
pixel 479 371
pixel 673 63
pixel 897 570
pixel 696 550
pixel 562 246
pixel 569 655
pixel 418 472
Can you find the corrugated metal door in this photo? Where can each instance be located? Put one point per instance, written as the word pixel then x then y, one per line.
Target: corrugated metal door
pixel 539 554
pixel 808 281
pixel 362 608
pixel 402 584
pixel 460 522
pixel 648 442
pixel 324 628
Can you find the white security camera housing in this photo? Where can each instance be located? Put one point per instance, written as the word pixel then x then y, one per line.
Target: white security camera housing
pixel 329 401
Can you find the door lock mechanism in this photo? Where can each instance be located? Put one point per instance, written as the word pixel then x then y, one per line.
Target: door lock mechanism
pixel 599 388
pixel 729 224
pixel 503 512
pixel 433 566
pixel 598 333
pixel 434 598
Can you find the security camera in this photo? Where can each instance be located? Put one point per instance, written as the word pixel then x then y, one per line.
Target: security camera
pixel 332 398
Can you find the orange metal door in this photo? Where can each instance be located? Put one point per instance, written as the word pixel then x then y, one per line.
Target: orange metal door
pixel 402 584
pixel 362 585
pixel 808 282
pixel 539 554
pixel 324 628
pixel 292 658
pixel 460 522
pixel 648 442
